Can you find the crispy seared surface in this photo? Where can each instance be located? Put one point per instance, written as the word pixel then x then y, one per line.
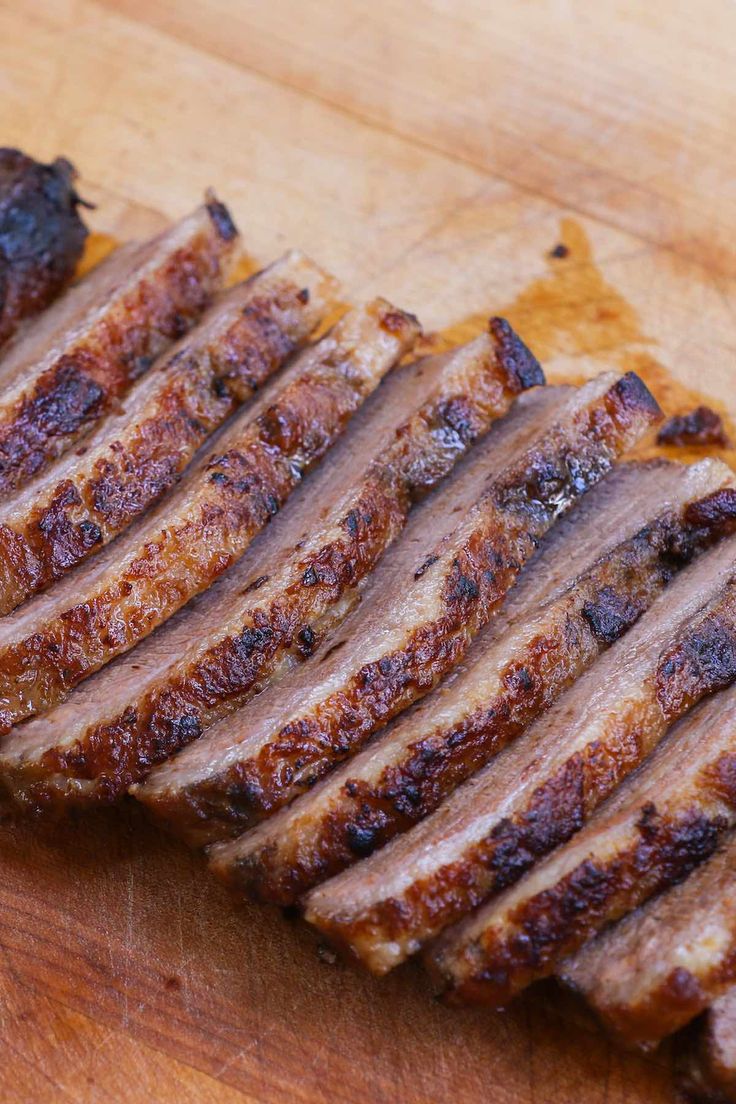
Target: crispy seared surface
pixel 95 492
pixel 41 235
pixel 417 429
pixel 659 967
pixel 121 595
pixel 61 376
pixel 539 791
pixel 457 559
pixel 707 1068
pixel 262 617
pixel 598 570
pixel 663 821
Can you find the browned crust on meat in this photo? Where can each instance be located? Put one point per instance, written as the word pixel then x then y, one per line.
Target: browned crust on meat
pixel 522 509
pixel 81 384
pixel 558 921
pixel 41 235
pixel 236 494
pixel 701 426
pixel 124 748
pixel 206 383
pixel 702 662
pixel 677 1000
pixel 367 814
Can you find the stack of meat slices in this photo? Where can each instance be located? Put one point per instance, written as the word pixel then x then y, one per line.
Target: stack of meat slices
pixel 400 641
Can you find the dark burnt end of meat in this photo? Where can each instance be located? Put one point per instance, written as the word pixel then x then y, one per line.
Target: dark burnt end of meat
pixel 701 426
pixel 514 355
pixel 41 235
pixel 167 285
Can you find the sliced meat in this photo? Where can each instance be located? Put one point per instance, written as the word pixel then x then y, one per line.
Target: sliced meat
pixel 595 574
pixel 96 491
pixel 298 579
pixel 708 1067
pixel 460 553
pixel 659 967
pixel 242 480
pixel 41 235
pixel 67 370
pixel 663 821
pixel 540 790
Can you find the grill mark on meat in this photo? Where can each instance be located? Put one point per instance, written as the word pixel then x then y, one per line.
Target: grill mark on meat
pixel 536 794
pixel 662 965
pixel 633 533
pixel 54 642
pixel 41 235
pixel 269 761
pixel 252 626
pixel 136 456
pixel 100 337
pixel 663 821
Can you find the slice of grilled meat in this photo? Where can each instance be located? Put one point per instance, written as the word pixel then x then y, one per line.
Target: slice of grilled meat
pixel 67 370
pixel 41 235
pixel 298 579
pixel 660 966
pixel 664 820
pixel 93 493
pixel 242 479
pixel 461 552
pixel 707 1066
pixel 541 789
pixel 595 574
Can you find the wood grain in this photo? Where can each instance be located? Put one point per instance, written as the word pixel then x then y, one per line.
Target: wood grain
pixel 626 111
pixel 436 154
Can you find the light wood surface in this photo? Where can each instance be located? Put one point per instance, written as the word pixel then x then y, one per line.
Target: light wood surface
pixel 434 152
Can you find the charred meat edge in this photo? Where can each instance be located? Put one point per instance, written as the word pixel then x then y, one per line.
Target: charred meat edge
pixel 98 359
pixel 385 931
pixel 356 812
pixel 477 567
pixel 207 524
pixel 665 820
pixel 658 968
pixel 700 660
pixel 41 235
pixel 109 482
pixel 475 387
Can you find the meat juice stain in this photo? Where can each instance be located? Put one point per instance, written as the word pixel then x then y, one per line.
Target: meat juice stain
pixel 96 248
pixel 572 310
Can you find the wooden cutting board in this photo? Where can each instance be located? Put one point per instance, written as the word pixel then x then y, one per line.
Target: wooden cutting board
pixel 435 152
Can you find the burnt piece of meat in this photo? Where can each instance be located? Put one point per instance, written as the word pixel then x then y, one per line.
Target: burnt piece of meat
pixel 65 372
pixel 664 820
pixel 41 235
pixel 299 579
pixel 701 426
pixel 93 493
pixel 598 570
pixel 707 1062
pixel 540 790
pixel 460 553
pixel 662 965
pixel 243 478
